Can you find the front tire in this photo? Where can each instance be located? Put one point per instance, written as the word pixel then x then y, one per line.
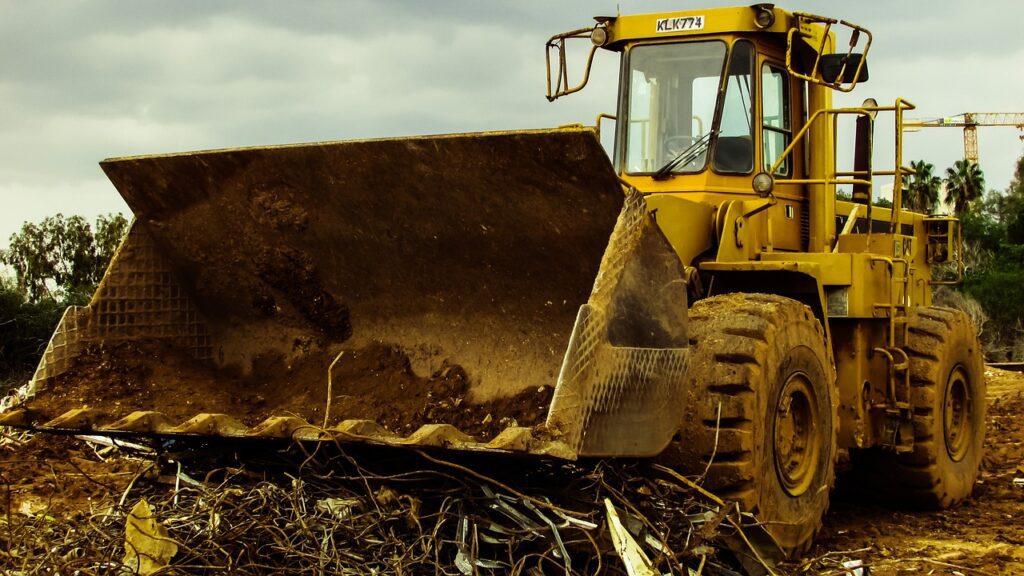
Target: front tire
pixel 761 411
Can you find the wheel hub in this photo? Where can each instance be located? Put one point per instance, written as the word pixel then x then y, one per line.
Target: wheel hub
pixel 956 415
pixel 797 443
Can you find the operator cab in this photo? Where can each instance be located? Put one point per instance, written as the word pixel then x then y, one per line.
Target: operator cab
pixel 710 99
pixel 725 104
pixel 692 107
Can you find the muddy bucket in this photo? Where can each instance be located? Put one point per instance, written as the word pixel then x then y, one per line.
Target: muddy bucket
pixel 415 290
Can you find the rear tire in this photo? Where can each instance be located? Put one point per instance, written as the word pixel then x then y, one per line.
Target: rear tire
pixel 761 412
pixel 947 377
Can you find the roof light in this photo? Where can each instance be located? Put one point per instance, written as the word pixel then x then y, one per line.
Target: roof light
pixel 599 36
pixel 764 15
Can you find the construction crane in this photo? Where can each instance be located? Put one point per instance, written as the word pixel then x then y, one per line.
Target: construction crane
pixel 970 121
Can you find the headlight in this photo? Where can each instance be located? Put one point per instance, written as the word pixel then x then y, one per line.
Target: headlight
pixel 763 183
pixel 599 36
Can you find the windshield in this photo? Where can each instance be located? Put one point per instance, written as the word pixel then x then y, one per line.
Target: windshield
pixel 673 89
pixel 671 105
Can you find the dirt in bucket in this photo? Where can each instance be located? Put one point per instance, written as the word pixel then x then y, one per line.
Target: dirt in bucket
pixel 373 383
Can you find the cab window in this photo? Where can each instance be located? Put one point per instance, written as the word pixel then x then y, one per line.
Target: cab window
pixel 775 110
pixel 734 150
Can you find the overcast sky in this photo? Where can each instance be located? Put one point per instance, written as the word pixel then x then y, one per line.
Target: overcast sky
pixel 84 80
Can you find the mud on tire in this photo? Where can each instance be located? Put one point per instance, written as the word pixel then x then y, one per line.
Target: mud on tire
pixel 947 378
pixel 760 416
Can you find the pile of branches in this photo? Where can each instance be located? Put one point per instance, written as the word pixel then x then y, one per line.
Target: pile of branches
pixel 335 511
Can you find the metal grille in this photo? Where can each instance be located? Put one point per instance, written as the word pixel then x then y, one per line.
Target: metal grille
pixel 617 400
pixel 138 299
pixel 805 226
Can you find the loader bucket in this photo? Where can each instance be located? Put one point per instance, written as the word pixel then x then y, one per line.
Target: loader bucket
pixel 413 291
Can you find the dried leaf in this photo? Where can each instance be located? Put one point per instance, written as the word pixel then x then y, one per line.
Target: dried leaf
pixel 340 508
pixel 147 545
pixel 637 563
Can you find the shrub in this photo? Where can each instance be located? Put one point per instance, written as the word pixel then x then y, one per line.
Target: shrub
pixel 25 329
pixel 997 292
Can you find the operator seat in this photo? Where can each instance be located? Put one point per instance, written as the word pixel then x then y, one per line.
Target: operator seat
pixel 734 154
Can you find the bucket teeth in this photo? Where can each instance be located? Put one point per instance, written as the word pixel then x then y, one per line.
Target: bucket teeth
pixel 516 439
pixel 521 440
pixel 438 435
pixel 212 425
pixel 84 419
pixel 143 421
pixel 363 429
pixel 287 427
pixel 18 418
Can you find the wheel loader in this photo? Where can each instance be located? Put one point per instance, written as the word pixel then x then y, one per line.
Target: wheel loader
pixel 718 293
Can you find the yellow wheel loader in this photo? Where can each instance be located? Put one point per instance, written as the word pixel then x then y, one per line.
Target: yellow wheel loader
pixel 705 296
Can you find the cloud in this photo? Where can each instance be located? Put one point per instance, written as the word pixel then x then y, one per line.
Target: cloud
pixel 87 80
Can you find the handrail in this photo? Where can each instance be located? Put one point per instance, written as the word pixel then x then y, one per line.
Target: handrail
pixel 892 307
pixel 597 122
pixel 814 117
pixel 897 181
pixel 857 177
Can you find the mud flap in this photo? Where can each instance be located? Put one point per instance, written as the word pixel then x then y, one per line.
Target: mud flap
pixel 619 391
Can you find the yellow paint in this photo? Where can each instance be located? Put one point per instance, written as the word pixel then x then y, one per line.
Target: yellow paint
pixel 625 29
pixel 860 281
pixel 688 224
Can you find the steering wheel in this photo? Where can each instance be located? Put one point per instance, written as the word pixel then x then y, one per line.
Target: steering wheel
pixel 676 144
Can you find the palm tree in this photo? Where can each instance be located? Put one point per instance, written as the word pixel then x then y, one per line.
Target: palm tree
pixel 964 184
pixel 921 187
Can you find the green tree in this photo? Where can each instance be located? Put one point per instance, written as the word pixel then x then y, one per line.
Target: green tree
pixel 25 329
pixel 965 183
pixel 57 263
pixel 921 187
pixel 993 235
pixel 1011 206
pixel 63 255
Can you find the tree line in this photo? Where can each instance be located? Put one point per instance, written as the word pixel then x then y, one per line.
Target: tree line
pixel 56 263
pixel 993 234
pixel 992 225
pixel 964 184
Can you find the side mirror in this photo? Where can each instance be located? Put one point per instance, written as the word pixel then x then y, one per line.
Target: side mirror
pixel 598 36
pixel 810 55
pixel 843 68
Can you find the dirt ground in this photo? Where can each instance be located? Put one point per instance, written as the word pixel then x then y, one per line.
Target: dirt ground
pixel 984 535
pixel 60 476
